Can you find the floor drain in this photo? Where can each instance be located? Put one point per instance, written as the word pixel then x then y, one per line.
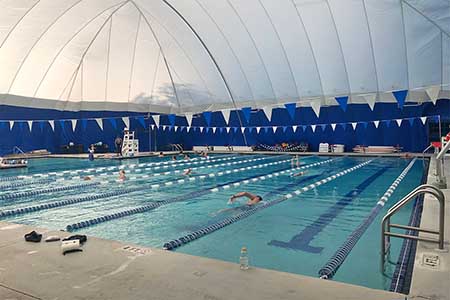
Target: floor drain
pixel 136 250
pixel 430 260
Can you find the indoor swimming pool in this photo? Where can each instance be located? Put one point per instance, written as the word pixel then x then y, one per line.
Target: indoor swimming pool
pixel 297 228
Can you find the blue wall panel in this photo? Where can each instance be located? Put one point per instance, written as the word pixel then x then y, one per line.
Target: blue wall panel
pixel 411 138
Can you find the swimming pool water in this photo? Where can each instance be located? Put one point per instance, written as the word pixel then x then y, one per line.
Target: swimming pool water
pixel 298 235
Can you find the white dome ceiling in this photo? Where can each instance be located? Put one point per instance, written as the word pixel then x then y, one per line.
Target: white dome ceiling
pixel 180 56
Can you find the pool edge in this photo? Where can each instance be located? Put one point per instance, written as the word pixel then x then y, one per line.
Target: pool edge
pixel 106 270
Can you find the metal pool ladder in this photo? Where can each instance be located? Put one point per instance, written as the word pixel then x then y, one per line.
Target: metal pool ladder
pixel 386 223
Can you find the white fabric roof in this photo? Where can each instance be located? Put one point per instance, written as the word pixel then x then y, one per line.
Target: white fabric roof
pixel 180 56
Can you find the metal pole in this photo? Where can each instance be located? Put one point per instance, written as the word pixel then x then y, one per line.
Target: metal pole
pixel 149 138
pixel 440 127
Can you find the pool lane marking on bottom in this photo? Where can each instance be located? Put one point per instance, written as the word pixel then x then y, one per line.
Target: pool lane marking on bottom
pixel 39 207
pixel 302 240
pixel 337 259
pixel 230 220
pixel 180 198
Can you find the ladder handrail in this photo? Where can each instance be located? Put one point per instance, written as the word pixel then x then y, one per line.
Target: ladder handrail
pixel 422 189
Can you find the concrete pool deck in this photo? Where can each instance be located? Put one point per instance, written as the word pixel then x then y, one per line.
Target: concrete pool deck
pixel 433 282
pixel 106 270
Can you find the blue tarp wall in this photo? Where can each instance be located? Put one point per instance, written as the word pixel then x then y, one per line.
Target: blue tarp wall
pixel 412 137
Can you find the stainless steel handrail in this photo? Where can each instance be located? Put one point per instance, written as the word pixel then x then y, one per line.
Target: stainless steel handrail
pixel 386 222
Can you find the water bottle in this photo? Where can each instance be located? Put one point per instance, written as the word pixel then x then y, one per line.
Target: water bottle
pixel 243 259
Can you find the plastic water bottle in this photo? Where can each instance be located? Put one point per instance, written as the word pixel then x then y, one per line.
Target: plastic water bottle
pixel 243 259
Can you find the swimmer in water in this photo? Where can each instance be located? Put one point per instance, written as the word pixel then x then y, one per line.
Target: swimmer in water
pixel 161 154
pixel 253 199
pixel 174 157
pixel 187 172
pixel 122 175
pixel 85 178
pixel 298 174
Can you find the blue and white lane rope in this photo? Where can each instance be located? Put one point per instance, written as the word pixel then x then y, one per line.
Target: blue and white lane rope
pixel 145 176
pixel 338 258
pixel 166 164
pixel 185 197
pixel 46 191
pixel 275 174
pixel 24 210
pixel 230 220
pixel 196 177
pixel 157 185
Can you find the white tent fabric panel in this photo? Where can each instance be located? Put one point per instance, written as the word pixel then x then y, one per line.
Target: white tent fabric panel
pixel 446 63
pixel 95 69
pixel 424 49
pixel 326 45
pixel 386 26
pixel 17 9
pixel 130 55
pixel 218 44
pixel 42 51
pixel 123 35
pixel 16 46
pixel 186 53
pixel 288 24
pixel 147 60
pixel 356 45
pixel 56 78
pixel 241 42
pixel 436 10
pixel 256 21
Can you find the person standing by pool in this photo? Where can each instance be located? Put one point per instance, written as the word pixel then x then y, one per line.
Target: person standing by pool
pixel 91 152
pixel 118 143
pixel 253 199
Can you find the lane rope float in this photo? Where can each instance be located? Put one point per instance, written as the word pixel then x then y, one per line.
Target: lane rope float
pixel 141 209
pixel 34 208
pixel 46 191
pixel 110 168
pixel 338 258
pixel 24 183
pixel 146 175
pixel 170 245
